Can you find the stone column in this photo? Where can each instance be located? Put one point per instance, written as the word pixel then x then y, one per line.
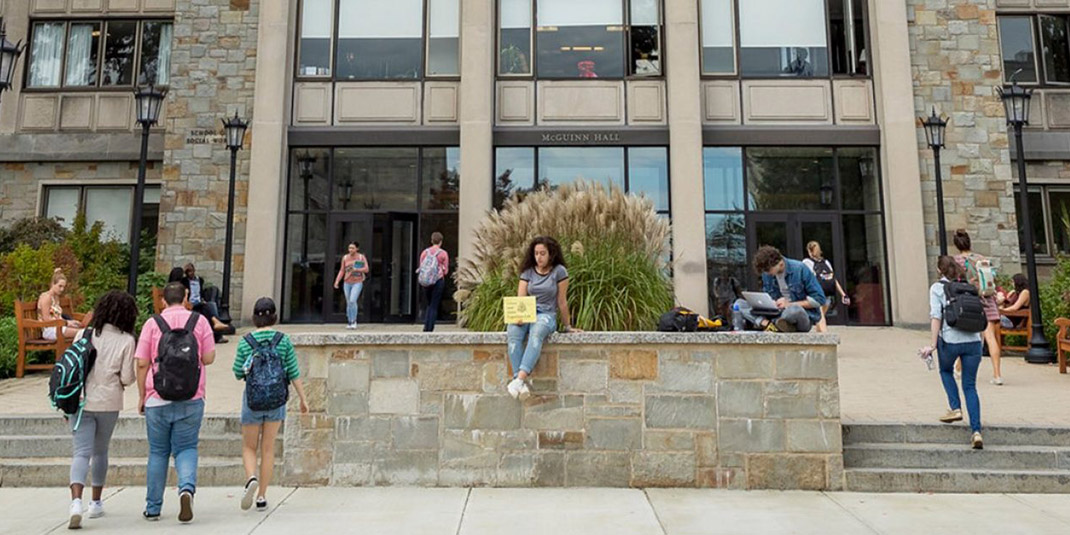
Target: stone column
pixel 476 116
pixel 905 236
pixel 267 170
pixel 685 156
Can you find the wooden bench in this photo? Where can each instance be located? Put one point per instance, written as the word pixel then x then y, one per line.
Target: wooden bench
pixel 1062 341
pixel 1023 329
pixel 31 339
pixel 158 304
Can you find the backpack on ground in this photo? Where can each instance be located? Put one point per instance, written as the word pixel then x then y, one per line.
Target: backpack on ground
pixel 679 319
pixel 980 270
pixel 177 368
pixel 429 274
pixel 266 385
pixel 66 386
pixel 963 309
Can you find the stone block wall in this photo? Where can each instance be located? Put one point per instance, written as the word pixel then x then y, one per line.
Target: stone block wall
pixel 956 62
pixel 21 182
pixel 735 416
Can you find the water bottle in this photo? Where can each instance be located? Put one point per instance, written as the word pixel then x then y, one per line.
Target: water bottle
pixel 926 354
pixel 737 318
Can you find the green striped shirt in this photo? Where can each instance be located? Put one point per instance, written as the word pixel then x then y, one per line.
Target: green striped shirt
pixel 285 351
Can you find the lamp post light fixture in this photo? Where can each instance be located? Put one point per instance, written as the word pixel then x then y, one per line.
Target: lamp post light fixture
pixel 234 135
pixel 306 169
pixel 9 57
pixel 1016 105
pixel 935 127
pixel 147 102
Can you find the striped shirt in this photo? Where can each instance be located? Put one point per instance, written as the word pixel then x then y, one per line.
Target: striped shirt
pixel 285 351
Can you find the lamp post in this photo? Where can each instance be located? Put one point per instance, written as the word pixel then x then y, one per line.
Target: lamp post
pixel 148 100
pixel 935 127
pixel 9 56
pixel 305 168
pixel 1016 104
pixel 234 130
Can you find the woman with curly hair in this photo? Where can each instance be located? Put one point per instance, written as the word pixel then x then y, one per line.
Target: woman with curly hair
pixel 112 328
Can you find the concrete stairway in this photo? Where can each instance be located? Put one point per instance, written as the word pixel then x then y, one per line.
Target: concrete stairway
pixel 938 458
pixel 35 452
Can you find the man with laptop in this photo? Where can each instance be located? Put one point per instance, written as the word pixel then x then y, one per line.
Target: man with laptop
pixel 790 300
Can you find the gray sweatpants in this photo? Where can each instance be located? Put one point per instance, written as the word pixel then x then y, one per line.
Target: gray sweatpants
pixel 91 442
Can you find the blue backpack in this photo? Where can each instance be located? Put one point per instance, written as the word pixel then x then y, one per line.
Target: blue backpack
pixel 66 386
pixel 266 385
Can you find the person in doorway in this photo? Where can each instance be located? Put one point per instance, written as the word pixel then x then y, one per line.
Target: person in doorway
pixel 262 426
pixel 953 344
pixel 49 309
pixel 173 426
pixel 544 276
pixel 434 266
pixel 353 271
pixel 114 320
pixel 792 286
pixel 822 269
pixel 969 261
pixel 1013 302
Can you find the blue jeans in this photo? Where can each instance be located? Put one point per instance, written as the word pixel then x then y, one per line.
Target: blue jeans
pixel 352 293
pixel 434 300
pixel 794 314
pixel 173 430
pixel 970 353
pixel 526 356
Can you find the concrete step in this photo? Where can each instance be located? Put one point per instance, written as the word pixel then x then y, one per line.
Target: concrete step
pixel 957 480
pixel 130 426
pixel 55 472
pixel 121 446
pixel 956 456
pixel 957 433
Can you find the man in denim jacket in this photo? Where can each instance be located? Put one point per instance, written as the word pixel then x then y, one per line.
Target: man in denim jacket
pixel 795 289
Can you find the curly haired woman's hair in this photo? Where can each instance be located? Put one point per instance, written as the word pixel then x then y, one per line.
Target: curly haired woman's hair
pixel 962 240
pixel 556 258
pixel 117 308
pixel 57 275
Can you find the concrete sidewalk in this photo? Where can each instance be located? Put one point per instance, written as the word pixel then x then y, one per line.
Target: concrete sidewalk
pixel 392 511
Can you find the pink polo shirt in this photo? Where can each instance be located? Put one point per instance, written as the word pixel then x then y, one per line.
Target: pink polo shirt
pixel 175 316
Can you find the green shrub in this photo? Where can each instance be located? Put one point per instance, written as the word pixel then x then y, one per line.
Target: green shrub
pixel 145 283
pixel 9 347
pixel 614 245
pixel 24 274
pixel 32 231
pixel 1055 297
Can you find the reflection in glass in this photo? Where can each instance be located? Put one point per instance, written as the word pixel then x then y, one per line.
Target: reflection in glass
pixel 83 48
pixel 514 22
pixel 110 206
pixel 1059 206
pixel 443 43
pixel 1056 46
pixel 380 40
pixel 447 224
pixel 46 54
pixel 646 43
pixel 308 179
pixel 62 203
pixel 317 20
pixel 580 39
pixel 863 245
pixel 783 38
pixel 1016 43
pixel 305 266
pixel 119 44
pixel 441 179
pixel 155 53
pixel 648 175
pixel 848 32
pixel 726 260
pixel 563 165
pixel 723 175
pixel 718 37
pixel 859 179
pixel 514 171
pixel 375 179
pixel 790 179
pixel 1036 220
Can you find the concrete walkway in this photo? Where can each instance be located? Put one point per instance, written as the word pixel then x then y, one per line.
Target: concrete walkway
pixel 391 511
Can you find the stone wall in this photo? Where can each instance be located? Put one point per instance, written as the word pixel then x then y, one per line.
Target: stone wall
pixel 614 410
pixel 20 182
pixel 212 76
pixel 955 57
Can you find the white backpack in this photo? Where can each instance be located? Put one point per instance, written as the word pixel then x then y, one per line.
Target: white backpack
pixel 428 273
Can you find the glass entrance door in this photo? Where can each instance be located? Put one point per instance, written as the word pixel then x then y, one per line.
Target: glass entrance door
pixel 388 241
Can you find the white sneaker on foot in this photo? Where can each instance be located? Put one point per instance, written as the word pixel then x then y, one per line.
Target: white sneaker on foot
pixel 514 388
pixel 525 391
pixel 998 381
pixel 351 326
pixel 185 506
pixel 75 521
pixel 96 509
pixel 251 487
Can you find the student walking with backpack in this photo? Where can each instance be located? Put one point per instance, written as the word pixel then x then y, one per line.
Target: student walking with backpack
pixel 980 273
pixel 822 269
pixel 353 270
pixel 434 266
pixel 957 322
pixel 267 362
pixel 172 352
pixel 111 338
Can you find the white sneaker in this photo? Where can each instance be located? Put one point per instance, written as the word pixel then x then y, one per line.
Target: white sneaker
pixel 96 509
pixel 525 392
pixel 998 381
pixel 251 487
pixel 75 521
pixel 351 326
pixel 514 388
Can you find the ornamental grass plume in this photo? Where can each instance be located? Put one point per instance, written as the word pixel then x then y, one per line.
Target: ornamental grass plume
pixel 618 274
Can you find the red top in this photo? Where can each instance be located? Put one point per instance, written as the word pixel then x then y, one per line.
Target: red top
pixel 443 259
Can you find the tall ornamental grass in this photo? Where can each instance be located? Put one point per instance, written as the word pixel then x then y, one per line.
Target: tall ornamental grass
pixel 615 246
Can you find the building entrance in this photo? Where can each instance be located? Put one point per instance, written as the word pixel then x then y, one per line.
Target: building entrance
pixel 388 241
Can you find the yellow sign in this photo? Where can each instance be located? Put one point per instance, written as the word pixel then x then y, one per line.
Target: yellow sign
pixel 519 309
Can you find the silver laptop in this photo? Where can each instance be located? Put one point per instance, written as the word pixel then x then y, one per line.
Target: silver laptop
pixel 761 303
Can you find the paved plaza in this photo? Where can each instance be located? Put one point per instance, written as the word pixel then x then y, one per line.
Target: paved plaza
pixel 407 511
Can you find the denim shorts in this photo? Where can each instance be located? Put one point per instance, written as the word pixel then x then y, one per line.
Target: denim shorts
pixel 251 417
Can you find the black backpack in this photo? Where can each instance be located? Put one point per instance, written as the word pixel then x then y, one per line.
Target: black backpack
pixel 678 320
pixel 825 278
pixel 66 386
pixel 963 309
pixel 177 369
pixel 266 385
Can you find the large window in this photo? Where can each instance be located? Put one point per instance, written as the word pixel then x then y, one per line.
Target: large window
pixel 784 38
pixel 574 40
pixel 1049 214
pixel 96 53
pixel 113 206
pixel 1035 48
pixel 378 40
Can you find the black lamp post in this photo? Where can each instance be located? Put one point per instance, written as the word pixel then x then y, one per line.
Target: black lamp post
pixel 234 130
pixel 9 56
pixel 935 126
pixel 305 168
pixel 148 100
pixel 1016 104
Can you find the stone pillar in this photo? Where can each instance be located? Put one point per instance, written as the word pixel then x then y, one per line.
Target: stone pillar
pixel 685 156
pixel 476 116
pixel 267 169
